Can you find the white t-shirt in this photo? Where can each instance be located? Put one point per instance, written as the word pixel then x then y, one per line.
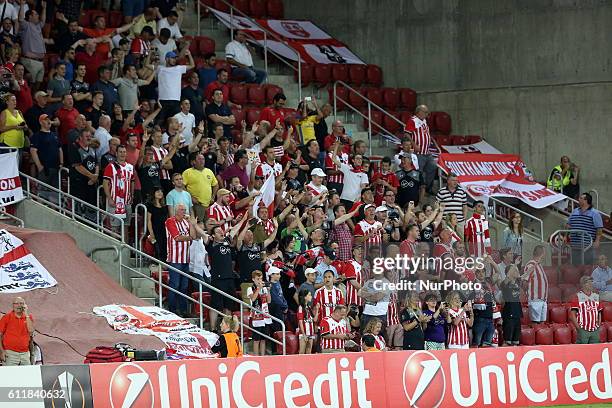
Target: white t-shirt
pixel 169 82
pixel 198 258
pixel 163 49
pixel 352 183
pixel 239 52
pixel 175 30
pixel 188 122
pixel 104 137
pixel 253 156
pixel 12 11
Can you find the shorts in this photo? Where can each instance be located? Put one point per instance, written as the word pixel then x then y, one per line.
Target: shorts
pixel 263 329
pixel 218 301
pixel 114 221
pixel 538 310
pixel 458 346
pixel 36 68
pixel 15 358
pixel 433 345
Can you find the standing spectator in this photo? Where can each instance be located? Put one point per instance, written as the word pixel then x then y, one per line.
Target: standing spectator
pixel 454 198
pixel 195 96
pixel 275 113
pixel 588 222
pixel 369 231
pixel 68 60
pixel 24 94
pixel 278 304
pixel 412 320
pixel 208 72
pixel 12 124
pixel 90 58
pixel 320 127
pixel 220 210
pixel 111 155
pixel 384 180
pixel 84 171
pixel 108 89
pixel 16 331
pixel 411 183
pixel 219 113
pixel 602 279
pixel 564 178
pixel 237 169
pixel 376 295
pixel 407 150
pixel 69 36
pixel 512 311
pixel 259 296
pixel 127 87
pixel 169 84
pixel 186 120
pixel 201 183
pixel 537 291
pixel 459 320
pixel 47 155
pixel 306 318
pixel 32 41
pixel 327 296
pixel 238 55
pixel 80 89
pixel 354 180
pixel 170 22
pixel 119 189
pixel 434 333
pixel 163 44
pixel 95 111
pixel 59 85
pixel 178 195
pixel 39 108
pixel 476 232
pixel 79 124
pixel 131 9
pixel 586 311
pixel 180 231
pixel 334 331
pixel 513 235
pixel 103 135
pixel 156 222
pixel 483 328
pixel 418 130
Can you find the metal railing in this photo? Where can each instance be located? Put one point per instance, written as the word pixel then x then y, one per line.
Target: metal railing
pixel 595 195
pixel 12 217
pixel 266 34
pixel 137 236
pixel 561 233
pixel 572 204
pixel 496 203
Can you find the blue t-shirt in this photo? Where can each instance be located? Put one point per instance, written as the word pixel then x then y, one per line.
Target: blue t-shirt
pixel 207 75
pixel 47 145
pixel 175 197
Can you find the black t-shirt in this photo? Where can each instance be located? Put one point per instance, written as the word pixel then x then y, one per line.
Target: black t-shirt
pixel 32 115
pixel 93 115
pixel 47 145
pixel 106 159
pixel 78 87
pixel 159 215
pixel 220 260
pixel 87 158
pixel 427 233
pixel 413 339
pixel 149 178
pixel 511 293
pixel 321 131
pixel 221 110
pixel 195 96
pixel 249 260
pixel 180 160
pixel 410 183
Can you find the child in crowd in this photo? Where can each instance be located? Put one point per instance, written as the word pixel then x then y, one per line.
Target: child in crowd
pixel 228 344
pixel 259 295
pixel 460 320
pixel 306 318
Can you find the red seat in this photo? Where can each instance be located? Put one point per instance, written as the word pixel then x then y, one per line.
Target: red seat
pixel 256 95
pixel 562 335
pixel 356 100
pixel 551 273
pixel 443 140
pixel 272 90
pixel 342 94
pixel 340 72
pixel 193 45
pixel 557 314
pixel 221 6
pixel 239 115
pixel 291 342
pixel 408 99
pixel 252 115
pixel 525 319
pixel 90 16
pixel 390 98
pixel 115 19
pixel 568 290
pixel 607 312
pixel 390 124
pixel 458 140
pixel 608 328
pixel 357 74
pixel 242 5
pixel 275 9
pixel 377 119
pixel 443 122
pixel 374 75
pixel 165 279
pixel 245 319
pixel 322 74
pixel 603 334
pixel 307 74
pixel 238 94
pixel 195 308
pixel 571 274
pixel 206 45
pixel 544 336
pixel 375 95
pixel 257 8
pixel 528 336
pixel 223 64
pixel 554 294
pixel 473 139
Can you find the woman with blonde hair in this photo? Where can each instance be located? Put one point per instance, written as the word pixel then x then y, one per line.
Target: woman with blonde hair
pixel 12 124
pixel 412 321
pixel 228 344
pixel 373 328
pixel 513 235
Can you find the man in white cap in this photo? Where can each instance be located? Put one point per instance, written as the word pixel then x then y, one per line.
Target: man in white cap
pixel 376 294
pixel 390 226
pixel 311 275
pixel 316 187
pixel 368 230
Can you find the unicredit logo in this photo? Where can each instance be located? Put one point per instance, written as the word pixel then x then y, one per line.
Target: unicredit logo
pixel 130 386
pixel 424 380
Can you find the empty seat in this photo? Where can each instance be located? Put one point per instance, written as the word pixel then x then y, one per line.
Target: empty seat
pixel 528 336
pixel 562 335
pixel 340 72
pixel 205 298
pixel 608 328
pixel 272 90
pixel 356 100
pixel 222 6
pixel 607 312
pixel 568 291
pixel 552 274
pixel 257 8
pixel 570 274
pixel 557 314
pixel 256 95
pixel 458 140
pixel 206 45
pixel 275 9
pixel 239 115
pixel 307 74
pixel 525 319
pixel 223 64
pixel 322 74
pixel 544 336
pixel 377 119
pixel 252 115
pixel 554 294
pixel 238 94
pixel 357 74
pixel 291 342
pixel 443 140
pixel 390 124
pixel 165 277
pixel 342 95
pixel 374 94
pixel 443 122
pixel 245 319
pixel 390 98
pixel 408 99
pixel 115 19
pixel 473 139
pixel 242 5
pixel 374 75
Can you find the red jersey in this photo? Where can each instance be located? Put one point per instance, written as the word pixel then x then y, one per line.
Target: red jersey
pixel 537 288
pixel 331 166
pixel 329 141
pixel 392 312
pixel 306 316
pixel 222 214
pixel 120 177
pixel 93 62
pixel 379 192
pixel 67 122
pixel 419 132
pixel 24 96
pixel 178 251
pixel 326 300
pixel 261 303
pixel 458 334
pixel 351 269
pixel 476 233
pixel 271 114
pixel 587 310
pixel 373 230
pixel 379 341
pixel 329 325
pixel 265 170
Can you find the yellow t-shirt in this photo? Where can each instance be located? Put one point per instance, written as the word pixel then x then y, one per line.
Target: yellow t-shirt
pixel 306 129
pixel 199 184
pixel 13 137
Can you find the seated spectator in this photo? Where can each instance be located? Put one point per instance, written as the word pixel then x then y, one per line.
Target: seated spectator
pixel 219 113
pixel 334 331
pixel 147 19
pixel 602 279
pixel 238 55
pixel 170 23
pixel 208 72
pixel 220 83
pixel 564 178
pixel 275 113
pixel 586 312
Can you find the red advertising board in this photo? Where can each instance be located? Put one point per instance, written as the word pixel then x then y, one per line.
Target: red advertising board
pixel 517 376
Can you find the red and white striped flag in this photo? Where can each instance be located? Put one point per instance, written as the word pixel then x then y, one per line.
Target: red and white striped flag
pixel 266 198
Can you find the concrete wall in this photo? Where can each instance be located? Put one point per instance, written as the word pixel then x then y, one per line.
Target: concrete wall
pixel 456 53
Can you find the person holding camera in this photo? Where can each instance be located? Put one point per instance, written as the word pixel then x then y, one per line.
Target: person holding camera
pixel 16 330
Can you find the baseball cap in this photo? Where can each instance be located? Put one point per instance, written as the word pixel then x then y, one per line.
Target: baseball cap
pixel 317 172
pixel 380 208
pixel 368 206
pixel 223 192
pixel 171 54
pixel 43 117
pixel 40 93
pixel 309 271
pixel 272 270
pixel 330 253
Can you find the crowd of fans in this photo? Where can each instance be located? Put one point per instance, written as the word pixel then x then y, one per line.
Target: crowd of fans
pixel 287 213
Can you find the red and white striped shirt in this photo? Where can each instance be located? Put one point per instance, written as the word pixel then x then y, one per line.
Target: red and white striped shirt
pixel 326 300
pixel 419 131
pixel 476 233
pixel 158 155
pixel 178 251
pixel 265 170
pixel 537 287
pixel 330 165
pixel 379 341
pixel 588 308
pixel 329 325
pixel 120 177
pixel 306 316
pixel 373 230
pixel 223 214
pixel 392 312
pixel 316 191
pixel 351 269
pixel 458 334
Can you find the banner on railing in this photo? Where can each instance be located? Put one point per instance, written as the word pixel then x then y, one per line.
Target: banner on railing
pixel 20 271
pixel 313 44
pixel 513 376
pixel 480 147
pixel 497 175
pixel 10 183
pixel 182 338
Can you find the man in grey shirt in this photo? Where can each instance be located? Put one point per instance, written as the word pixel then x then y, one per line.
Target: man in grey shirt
pixel 32 42
pixel 58 86
pixel 127 87
pixel 376 295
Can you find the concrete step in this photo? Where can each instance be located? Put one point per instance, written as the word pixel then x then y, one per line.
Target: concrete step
pixel 144 292
pixel 151 300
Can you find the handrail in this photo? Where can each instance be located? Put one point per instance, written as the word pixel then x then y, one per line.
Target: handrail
pixel 138 237
pixel 201 284
pixel 60 208
pixel 267 33
pixel 523 213
pixel 596 194
pixel 572 231
pixel 61 170
pixel 12 217
pixel 573 205
pixel 106 248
